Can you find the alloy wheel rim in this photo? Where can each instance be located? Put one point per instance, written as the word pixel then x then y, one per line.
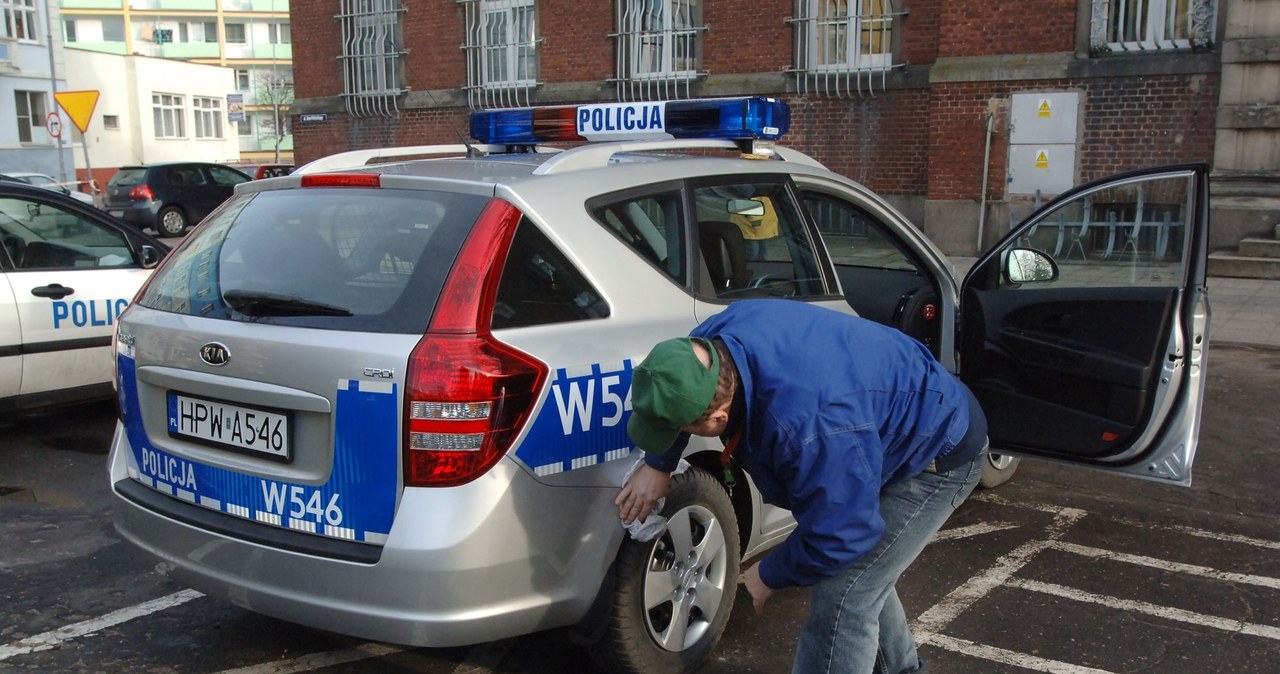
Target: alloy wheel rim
pixel 685 579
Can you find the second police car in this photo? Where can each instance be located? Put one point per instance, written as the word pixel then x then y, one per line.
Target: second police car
pixel 390 400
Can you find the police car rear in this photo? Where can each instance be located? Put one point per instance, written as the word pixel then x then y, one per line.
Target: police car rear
pixel 390 402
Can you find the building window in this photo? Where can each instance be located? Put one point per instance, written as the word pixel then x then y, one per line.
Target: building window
pixel 1149 25
pixel 660 45
pixel 235 33
pixel 244 127
pixel 372 56
pixel 111 121
pixel 20 19
pixel 201 31
pixel 279 33
pixel 502 52
pixel 208 117
pixel 69 29
pixel 31 114
pixel 169 113
pixel 242 79
pixel 844 46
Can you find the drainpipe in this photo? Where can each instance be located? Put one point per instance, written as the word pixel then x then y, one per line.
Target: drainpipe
pixel 986 168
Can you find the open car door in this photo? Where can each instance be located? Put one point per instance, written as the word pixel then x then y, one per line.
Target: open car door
pixel 1084 332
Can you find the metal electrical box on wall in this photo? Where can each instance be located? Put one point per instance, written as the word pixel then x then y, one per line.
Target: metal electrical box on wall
pixel 1042 142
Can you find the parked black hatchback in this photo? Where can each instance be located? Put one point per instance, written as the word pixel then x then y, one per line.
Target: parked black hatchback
pixel 169 197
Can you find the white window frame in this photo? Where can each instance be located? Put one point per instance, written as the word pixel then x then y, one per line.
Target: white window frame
pixel 169 112
pixel 508 43
pixel 279 33
pixel 37 106
pixel 842 35
pixel 1151 25
pixel 20 20
pixel 208 114
pixel 666 38
pixel 244 79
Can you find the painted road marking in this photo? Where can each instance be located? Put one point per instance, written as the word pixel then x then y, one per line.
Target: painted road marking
pixel 1000 655
pixel 970 531
pixel 1166 565
pixel 54 638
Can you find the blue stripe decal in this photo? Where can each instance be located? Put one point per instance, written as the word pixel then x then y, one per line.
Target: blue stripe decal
pixel 583 421
pixel 356 503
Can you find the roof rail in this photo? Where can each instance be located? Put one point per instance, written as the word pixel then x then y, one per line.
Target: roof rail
pixel 360 158
pixel 592 156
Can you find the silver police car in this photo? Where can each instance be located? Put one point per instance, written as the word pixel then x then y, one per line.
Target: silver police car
pixel 389 399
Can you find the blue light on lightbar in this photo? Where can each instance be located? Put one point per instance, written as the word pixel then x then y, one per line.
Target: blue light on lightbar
pixel 748 118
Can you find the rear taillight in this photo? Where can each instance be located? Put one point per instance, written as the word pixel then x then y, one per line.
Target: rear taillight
pixel 467 395
pixel 141 192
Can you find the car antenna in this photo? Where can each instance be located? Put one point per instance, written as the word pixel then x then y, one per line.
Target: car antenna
pixel 466 140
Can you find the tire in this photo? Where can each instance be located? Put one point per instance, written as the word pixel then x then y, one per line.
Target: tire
pixel 997 471
pixel 171 221
pixel 695 559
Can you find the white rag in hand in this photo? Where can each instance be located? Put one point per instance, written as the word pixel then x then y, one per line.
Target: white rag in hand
pixel 648 528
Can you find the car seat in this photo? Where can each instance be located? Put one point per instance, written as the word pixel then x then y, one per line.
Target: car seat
pixel 725 253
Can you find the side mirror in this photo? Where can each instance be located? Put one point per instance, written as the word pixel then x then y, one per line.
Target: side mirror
pixel 1024 265
pixel 744 207
pixel 149 257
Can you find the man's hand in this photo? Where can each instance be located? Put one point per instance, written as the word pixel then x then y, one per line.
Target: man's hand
pixel 641 492
pixel 760 592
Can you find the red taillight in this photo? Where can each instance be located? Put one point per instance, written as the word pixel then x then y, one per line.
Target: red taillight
pixel 467 395
pixel 342 180
pixel 141 192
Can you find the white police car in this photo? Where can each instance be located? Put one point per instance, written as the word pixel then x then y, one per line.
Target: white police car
pixel 390 400
pixel 67 270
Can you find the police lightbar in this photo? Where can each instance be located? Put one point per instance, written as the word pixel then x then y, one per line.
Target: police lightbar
pixel 747 118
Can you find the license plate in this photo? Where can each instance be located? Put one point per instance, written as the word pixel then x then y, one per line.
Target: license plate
pixel 252 430
pixel 118 214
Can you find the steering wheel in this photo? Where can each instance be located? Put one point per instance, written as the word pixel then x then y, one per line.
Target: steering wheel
pixel 16 246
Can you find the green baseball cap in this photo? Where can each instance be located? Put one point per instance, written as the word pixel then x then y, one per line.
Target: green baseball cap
pixel 670 389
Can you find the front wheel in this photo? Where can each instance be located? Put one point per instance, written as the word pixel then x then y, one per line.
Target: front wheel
pixel 674 593
pixel 997 471
pixel 171 221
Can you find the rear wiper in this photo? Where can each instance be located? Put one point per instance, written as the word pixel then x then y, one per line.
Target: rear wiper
pixel 255 303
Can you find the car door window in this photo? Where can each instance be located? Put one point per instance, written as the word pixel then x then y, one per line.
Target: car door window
pixel 540 286
pixel 753 242
pixel 651 224
pixel 40 235
pixel 880 277
pixel 225 176
pixel 185 176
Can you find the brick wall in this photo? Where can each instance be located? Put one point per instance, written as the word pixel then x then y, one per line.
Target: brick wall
pixel 977 28
pixel 316 47
pixel 881 142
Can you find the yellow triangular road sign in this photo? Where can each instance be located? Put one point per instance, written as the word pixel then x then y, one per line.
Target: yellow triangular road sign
pixel 79 106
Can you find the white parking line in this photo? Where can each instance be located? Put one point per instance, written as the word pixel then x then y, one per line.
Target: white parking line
pixel 1166 612
pixel 1166 565
pixel 993 654
pixel 54 638
pixel 970 531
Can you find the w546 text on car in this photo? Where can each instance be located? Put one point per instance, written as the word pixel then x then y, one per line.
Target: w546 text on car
pixel 390 400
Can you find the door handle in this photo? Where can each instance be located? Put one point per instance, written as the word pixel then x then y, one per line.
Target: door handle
pixel 55 291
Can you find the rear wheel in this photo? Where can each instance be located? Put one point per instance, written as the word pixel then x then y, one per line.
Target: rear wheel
pixel 997 471
pixel 171 221
pixel 673 594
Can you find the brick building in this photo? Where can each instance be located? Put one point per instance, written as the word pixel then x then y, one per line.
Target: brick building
pixel 958 111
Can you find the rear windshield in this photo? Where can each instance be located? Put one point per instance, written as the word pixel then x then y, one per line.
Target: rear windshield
pixel 367 260
pixel 128 176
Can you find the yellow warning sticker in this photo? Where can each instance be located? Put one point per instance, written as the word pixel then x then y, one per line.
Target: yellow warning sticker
pixel 1044 110
pixel 1042 159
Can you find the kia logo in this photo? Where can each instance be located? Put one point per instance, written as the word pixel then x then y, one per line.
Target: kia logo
pixel 215 354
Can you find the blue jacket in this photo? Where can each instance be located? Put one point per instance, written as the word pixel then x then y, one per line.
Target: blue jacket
pixel 837 407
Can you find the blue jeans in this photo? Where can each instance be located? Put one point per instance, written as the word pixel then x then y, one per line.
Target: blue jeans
pixel 856 623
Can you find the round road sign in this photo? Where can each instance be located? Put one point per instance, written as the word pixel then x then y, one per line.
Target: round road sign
pixel 55 124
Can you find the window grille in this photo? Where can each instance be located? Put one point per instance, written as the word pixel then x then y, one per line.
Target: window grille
pixel 844 47
pixel 659 48
pixel 502 52
pixel 372 56
pixel 1151 25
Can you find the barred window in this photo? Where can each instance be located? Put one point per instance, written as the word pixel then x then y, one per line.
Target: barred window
pixel 208 117
pixel 372 56
pixel 169 113
pixel 502 51
pixel 1148 25
pixel 20 19
pixel 841 44
pixel 659 46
